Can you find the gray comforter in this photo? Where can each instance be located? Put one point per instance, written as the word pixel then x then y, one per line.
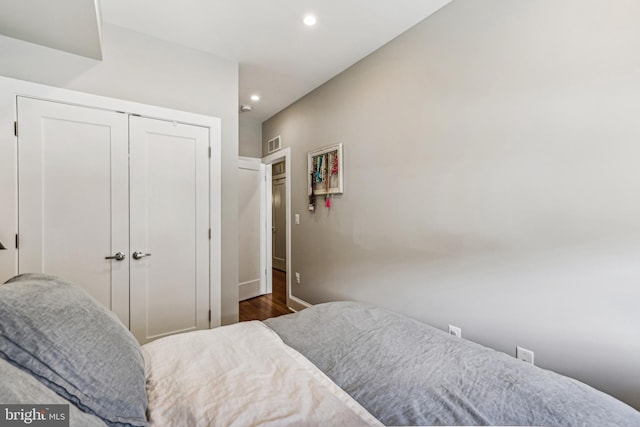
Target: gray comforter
pixel 407 373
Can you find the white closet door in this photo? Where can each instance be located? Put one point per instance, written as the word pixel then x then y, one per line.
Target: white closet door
pixel 169 197
pixel 73 197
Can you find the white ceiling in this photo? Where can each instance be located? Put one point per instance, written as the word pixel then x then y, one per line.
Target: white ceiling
pixel 72 26
pixel 279 57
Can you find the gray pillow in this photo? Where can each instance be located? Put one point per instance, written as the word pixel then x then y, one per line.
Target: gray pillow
pixel 18 387
pixel 76 347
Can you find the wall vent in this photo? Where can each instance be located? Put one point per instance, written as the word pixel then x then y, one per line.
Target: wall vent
pixel 273 144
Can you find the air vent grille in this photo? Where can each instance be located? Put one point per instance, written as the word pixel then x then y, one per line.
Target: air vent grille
pixel 273 144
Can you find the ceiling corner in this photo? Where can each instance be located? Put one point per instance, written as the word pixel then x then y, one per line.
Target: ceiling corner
pixel 74 27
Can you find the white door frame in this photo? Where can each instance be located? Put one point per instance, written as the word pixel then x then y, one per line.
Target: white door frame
pixel 293 303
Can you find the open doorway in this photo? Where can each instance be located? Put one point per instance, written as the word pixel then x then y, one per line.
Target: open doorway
pixel 274 295
pixel 266 239
pixel 278 242
pixel 281 156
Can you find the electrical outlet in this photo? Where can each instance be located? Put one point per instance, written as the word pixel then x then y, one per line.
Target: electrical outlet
pixel 297 218
pixel 455 331
pixel 524 355
pixel 297 278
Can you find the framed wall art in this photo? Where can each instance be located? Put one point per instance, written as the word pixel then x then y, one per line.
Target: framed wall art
pixel 325 169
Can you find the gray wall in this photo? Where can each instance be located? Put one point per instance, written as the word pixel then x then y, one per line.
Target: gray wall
pixel 492 181
pixel 147 70
pixel 250 136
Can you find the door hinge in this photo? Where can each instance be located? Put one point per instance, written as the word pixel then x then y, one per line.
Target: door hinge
pixel 209 152
pixel 17 242
pixel 209 234
pixel 15 128
pixel 209 315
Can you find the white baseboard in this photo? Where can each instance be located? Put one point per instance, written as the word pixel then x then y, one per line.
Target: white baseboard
pixel 296 304
pixel 249 289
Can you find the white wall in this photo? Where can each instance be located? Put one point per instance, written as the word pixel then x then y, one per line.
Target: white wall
pixel 147 70
pixel 491 182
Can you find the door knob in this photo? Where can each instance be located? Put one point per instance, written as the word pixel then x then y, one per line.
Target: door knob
pixel 119 256
pixel 138 255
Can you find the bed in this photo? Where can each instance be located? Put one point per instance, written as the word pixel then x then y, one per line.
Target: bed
pixel 342 364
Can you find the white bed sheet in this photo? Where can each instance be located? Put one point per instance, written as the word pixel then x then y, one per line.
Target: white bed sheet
pixel 241 375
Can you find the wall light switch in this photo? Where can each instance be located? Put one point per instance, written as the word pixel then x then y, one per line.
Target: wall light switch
pixel 297 219
pixel 297 277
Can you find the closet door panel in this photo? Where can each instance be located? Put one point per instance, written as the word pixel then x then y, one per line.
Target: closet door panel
pixel 169 220
pixel 73 197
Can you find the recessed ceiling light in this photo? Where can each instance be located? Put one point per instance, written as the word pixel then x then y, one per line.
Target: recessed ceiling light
pixel 255 97
pixel 310 20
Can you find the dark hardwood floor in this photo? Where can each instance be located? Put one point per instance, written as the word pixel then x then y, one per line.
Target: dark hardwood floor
pixel 270 305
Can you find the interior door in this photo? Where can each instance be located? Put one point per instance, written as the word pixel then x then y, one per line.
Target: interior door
pixel 73 209
pixel 251 228
pixel 169 197
pixel 279 218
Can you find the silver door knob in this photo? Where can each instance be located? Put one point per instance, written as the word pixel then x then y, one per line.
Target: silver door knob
pixel 119 256
pixel 138 255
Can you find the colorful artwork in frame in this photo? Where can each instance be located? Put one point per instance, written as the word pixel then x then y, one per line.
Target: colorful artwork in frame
pixel 325 168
